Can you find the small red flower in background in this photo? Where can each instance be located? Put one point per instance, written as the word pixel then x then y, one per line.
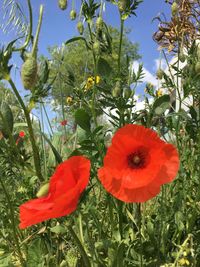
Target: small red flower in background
pixel 63 123
pixel 67 183
pixel 21 134
pixel 137 163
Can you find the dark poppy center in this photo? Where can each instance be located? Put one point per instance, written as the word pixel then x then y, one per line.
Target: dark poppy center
pixel 138 159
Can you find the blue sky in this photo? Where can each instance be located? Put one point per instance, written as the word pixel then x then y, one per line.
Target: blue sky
pixel 58 28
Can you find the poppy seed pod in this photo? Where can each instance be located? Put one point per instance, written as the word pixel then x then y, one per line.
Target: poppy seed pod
pixel 159 73
pixel 127 92
pixel 117 89
pixel 80 27
pixel 29 72
pixel 96 47
pixel 122 5
pixel 174 9
pixel 182 56
pixel 62 4
pixel 73 14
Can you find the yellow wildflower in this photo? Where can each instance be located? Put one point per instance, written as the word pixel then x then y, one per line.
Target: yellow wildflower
pixel 69 100
pixel 159 92
pixel 184 261
pixel 91 81
pixel 98 79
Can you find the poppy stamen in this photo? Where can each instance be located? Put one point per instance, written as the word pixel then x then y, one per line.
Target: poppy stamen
pixel 138 159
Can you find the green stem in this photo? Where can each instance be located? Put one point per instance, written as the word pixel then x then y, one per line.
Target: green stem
pixel 13 222
pixel 35 44
pixel 120 45
pixel 120 213
pixel 28 38
pixel 36 156
pixel 43 142
pixel 95 74
pixel 80 246
pixel 140 234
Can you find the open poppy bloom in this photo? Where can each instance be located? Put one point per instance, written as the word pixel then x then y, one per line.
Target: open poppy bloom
pixel 67 183
pixel 63 123
pixel 137 163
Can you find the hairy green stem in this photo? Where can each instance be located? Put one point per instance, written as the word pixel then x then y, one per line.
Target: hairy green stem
pixel 95 74
pixel 140 234
pixel 120 45
pixel 36 156
pixel 80 247
pixel 35 44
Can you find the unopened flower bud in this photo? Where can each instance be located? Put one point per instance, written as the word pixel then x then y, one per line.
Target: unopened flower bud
pixel 43 191
pixel 174 9
pixel 116 92
pixel 96 47
pixel 182 56
pixel 80 27
pixel 29 72
pixel 122 5
pixel 62 4
pixel 73 14
pixel 99 23
pixel 159 74
pixel 127 92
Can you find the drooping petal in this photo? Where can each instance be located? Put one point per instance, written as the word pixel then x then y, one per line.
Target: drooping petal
pixel 67 183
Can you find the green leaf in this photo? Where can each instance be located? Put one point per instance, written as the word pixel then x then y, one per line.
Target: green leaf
pixel 103 67
pixel 34 254
pixel 58 229
pixel 54 150
pixel 82 118
pixel 75 39
pixel 161 104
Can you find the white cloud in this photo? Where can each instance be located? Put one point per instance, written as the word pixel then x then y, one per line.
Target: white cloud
pixel 148 76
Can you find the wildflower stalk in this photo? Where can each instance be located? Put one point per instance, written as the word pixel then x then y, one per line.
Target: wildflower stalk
pixel 80 247
pixel 12 217
pixel 95 74
pixel 120 45
pixel 140 233
pixel 43 142
pixel 36 156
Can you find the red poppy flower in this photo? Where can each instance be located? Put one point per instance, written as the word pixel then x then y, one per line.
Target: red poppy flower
pixel 21 134
pixel 67 183
pixel 63 123
pixel 137 163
